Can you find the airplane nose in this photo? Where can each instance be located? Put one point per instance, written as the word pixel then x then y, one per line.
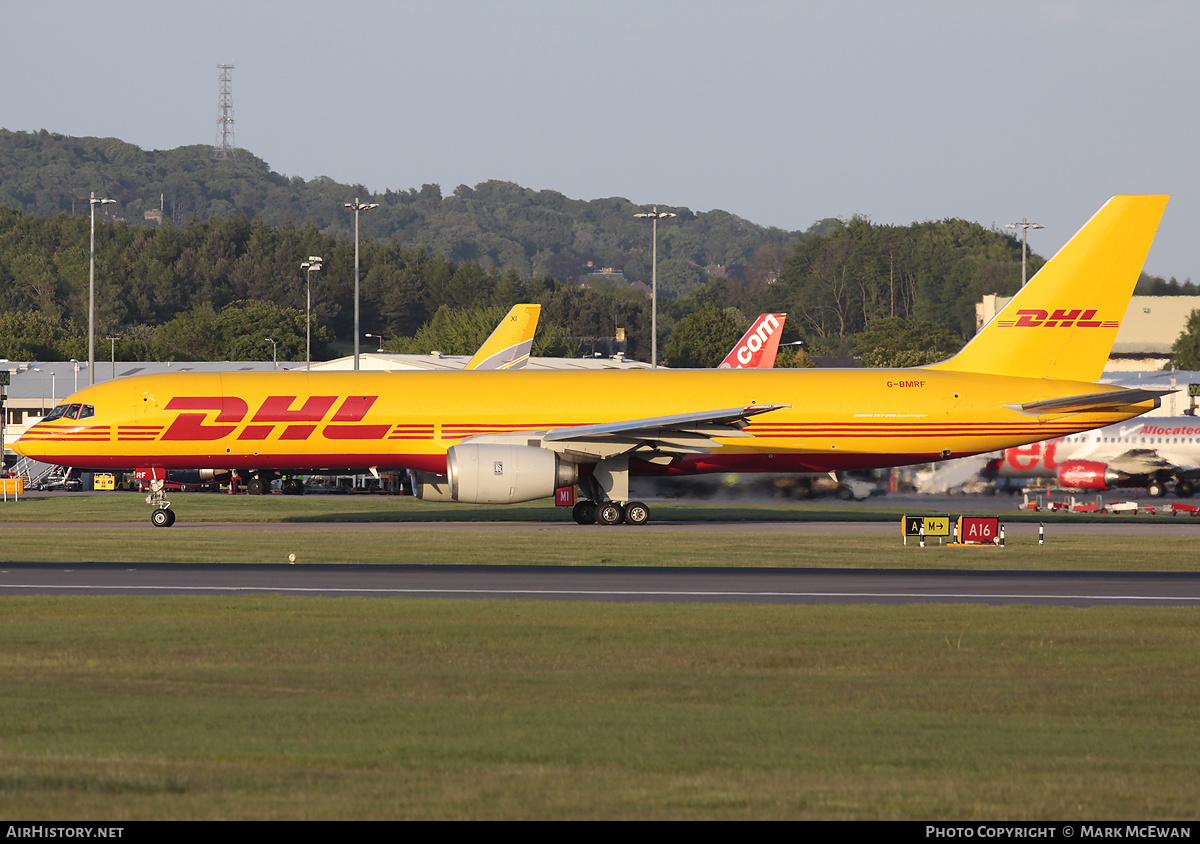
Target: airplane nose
pixel 30 447
pixel 21 448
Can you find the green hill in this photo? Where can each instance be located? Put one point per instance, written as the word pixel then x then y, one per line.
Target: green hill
pixel 493 223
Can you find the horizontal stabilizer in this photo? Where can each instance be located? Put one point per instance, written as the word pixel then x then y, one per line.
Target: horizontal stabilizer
pixel 1108 400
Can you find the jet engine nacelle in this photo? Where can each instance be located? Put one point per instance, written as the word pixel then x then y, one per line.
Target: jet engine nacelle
pixel 429 486
pixel 488 473
pixel 992 468
pixel 1086 474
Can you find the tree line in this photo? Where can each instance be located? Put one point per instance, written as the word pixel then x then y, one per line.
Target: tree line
pixel 216 289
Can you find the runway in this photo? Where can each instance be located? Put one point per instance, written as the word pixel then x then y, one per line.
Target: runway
pixel 612 584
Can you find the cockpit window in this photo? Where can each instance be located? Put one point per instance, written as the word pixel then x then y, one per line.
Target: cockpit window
pixel 71 411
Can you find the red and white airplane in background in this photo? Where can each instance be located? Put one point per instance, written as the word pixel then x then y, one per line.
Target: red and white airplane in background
pixel 758 347
pixel 1146 453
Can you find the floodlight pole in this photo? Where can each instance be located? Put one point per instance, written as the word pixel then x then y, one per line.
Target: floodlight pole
pixel 356 207
pixel 310 266
pixel 114 338
pixel 654 217
pixel 1024 226
pixel 92 292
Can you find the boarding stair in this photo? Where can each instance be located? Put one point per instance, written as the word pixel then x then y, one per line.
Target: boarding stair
pixel 33 471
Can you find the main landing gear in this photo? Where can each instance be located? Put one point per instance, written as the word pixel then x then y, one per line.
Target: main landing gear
pixel 610 513
pixel 606 488
pixel 260 484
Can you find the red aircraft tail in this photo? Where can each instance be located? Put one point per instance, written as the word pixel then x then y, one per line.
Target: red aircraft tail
pixel 759 346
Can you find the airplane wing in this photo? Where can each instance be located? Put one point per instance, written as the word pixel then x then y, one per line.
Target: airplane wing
pixel 1109 400
pixel 658 439
pixel 1139 461
pixel 1180 461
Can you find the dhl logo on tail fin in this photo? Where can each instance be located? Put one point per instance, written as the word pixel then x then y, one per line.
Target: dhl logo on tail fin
pixel 1062 324
pixel 1061 318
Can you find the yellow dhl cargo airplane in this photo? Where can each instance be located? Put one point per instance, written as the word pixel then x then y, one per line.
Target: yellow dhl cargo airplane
pixel 506 437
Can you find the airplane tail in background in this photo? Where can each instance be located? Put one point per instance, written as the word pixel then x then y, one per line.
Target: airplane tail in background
pixel 758 347
pixel 1062 324
pixel 509 345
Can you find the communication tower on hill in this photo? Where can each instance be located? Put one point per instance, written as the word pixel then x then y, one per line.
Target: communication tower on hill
pixel 226 144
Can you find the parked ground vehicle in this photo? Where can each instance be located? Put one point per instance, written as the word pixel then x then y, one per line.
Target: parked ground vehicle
pixel 61 478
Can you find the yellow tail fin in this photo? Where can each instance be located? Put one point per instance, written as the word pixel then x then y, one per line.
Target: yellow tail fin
pixel 1062 324
pixel 509 345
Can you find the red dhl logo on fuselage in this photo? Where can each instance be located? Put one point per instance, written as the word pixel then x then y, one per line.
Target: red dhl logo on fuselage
pixel 1061 318
pixel 275 412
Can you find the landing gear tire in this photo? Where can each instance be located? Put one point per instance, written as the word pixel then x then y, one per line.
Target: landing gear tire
pixel 584 512
pixel 293 486
pixel 255 486
pixel 1155 489
pixel 1184 489
pixel 162 518
pixel 636 513
pixel 609 513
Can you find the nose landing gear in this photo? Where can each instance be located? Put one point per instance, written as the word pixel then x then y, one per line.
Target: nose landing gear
pixel 163 515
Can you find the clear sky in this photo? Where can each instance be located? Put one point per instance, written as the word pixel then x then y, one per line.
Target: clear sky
pixel 781 112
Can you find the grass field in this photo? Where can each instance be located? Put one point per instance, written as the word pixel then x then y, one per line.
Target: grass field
pixel 273 707
pixel 193 507
pixel 278 707
pixel 531 545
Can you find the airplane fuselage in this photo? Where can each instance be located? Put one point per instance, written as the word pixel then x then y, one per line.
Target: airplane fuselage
pixel 1137 451
pixel 834 419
